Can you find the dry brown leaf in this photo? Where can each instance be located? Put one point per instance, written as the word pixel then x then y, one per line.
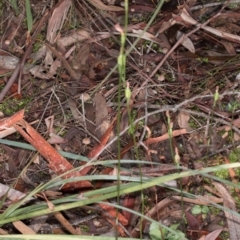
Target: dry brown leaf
pixel 228 36
pixel 200 200
pixel 212 53
pixel 75 75
pixel 37 222
pixel 3 232
pixel 183 119
pixel 39 72
pixel 229 47
pixel 144 35
pixel 65 223
pixel 56 139
pixel 99 5
pixel 80 60
pixel 73 37
pixel 54 25
pixel 213 235
pixel 101 114
pixel 57 19
pixel 12 194
pixel 232 220
pixel 6 132
pixel 23 228
pixel 187 43
pixel 102 120
pixel 75 112
pixel 49 124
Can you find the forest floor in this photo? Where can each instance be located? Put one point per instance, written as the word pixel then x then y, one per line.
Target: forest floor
pixel 138 100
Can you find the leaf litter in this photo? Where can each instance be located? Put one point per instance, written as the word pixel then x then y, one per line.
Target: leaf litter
pixel 183 112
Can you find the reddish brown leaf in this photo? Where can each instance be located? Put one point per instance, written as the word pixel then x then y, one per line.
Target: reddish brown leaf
pixel 14 90
pixel 230 170
pixel 104 172
pixel 214 235
pixel 111 211
pixel 192 221
pixel 128 202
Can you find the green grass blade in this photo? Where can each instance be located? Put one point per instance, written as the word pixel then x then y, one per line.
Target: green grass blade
pixel 29 15
pixel 14 5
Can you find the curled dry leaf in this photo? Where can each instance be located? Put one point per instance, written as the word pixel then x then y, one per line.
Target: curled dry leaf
pixel 187 43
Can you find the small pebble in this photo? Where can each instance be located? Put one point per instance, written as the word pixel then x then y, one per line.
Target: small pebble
pixel 86 141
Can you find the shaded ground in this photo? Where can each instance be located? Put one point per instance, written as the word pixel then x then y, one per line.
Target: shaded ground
pixel 184 106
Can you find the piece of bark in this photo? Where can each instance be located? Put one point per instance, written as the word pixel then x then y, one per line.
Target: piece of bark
pixel 57 163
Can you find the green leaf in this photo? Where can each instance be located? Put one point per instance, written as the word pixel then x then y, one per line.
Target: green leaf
pixel 155 232
pixel 174 226
pixel 14 5
pixel 196 209
pixel 205 209
pixel 128 93
pixel 29 15
pixel 180 235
